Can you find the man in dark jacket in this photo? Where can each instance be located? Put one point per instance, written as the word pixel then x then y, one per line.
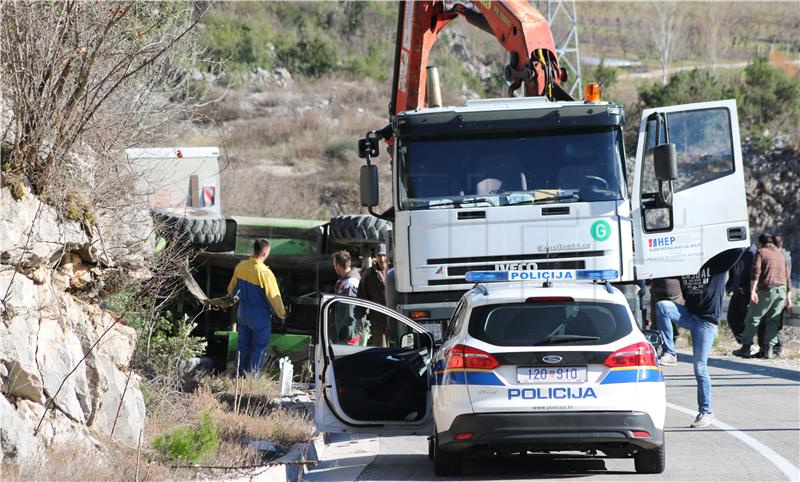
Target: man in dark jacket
pixel 739 286
pixel 703 293
pixel 373 288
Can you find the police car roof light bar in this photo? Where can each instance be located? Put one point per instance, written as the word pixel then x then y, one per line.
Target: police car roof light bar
pixel 542 275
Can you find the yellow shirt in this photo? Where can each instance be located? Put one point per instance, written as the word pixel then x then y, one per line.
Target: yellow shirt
pixel 257 288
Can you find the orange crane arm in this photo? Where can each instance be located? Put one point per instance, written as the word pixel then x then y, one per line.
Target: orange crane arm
pixel 516 24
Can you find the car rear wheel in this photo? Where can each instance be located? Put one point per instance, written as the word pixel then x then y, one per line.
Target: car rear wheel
pixel 651 461
pixel 446 463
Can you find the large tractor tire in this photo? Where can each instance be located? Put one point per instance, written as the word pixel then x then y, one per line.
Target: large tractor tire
pixel 359 229
pixel 199 227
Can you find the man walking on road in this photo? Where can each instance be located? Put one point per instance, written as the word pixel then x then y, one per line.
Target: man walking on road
pixel 259 301
pixel 768 296
pixel 703 294
pixel 373 288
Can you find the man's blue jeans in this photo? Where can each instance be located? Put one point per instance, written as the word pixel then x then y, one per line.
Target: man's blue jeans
pixel 254 334
pixel 703 334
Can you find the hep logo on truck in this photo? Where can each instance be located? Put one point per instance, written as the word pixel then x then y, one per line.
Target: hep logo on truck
pixel 662 242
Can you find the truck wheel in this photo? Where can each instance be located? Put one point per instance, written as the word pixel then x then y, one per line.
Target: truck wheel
pixel 192 225
pixel 651 461
pixel 359 229
pixel 446 463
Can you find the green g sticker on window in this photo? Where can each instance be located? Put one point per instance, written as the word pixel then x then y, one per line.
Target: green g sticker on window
pixel 600 230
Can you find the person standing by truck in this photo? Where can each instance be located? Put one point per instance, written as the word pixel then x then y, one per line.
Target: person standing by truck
pixel 349 328
pixel 259 301
pixel 739 287
pixel 703 293
pixel 373 288
pixel 768 296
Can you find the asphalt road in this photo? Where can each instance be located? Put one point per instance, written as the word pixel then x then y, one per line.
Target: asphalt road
pixel 756 437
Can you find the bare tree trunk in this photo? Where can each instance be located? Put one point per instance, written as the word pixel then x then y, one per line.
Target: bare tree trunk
pixel 668 29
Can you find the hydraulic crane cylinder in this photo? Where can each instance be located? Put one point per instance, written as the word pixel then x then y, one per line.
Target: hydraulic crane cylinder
pixel 433 90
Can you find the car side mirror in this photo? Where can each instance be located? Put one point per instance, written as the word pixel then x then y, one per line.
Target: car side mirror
pixel 407 341
pixel 653 337
pixel 665 162
pixel 368 182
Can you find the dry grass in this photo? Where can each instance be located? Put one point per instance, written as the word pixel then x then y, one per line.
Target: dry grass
pixel 71 463
pixel 279 146
pixel 254 421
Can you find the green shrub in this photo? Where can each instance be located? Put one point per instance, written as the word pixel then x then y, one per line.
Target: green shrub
pixel 313 55
pixel 339 149
pixel 189 444
pixel 372 64
pixel 162 341
pixel 769 95
pixel 686 87
pixel 605 76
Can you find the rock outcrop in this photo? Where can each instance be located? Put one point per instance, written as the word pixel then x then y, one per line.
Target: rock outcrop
pixel 773 199
pixel 59 352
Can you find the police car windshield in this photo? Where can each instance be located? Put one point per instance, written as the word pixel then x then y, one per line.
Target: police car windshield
pixel 580 165
pixel 561 323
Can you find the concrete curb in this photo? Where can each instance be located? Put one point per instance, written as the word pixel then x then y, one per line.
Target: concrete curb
pixel 344 458
pixel 286 468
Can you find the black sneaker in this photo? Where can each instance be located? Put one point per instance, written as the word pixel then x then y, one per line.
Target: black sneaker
pixel 743 352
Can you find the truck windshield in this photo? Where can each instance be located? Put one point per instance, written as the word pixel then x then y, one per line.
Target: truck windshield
pixel 493 170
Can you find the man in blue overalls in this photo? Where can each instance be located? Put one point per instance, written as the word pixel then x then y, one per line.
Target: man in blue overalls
pixel 259 300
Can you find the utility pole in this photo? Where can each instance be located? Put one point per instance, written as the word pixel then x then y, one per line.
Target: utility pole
pixel 563 20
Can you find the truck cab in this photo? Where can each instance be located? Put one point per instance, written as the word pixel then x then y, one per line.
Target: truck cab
pixel 533 184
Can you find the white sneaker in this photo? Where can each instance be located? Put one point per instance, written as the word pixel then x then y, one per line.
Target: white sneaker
pixel 703 420
pixel 667 358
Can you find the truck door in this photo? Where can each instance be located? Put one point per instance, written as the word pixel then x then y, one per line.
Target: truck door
pixel 371 376
pixel 707 212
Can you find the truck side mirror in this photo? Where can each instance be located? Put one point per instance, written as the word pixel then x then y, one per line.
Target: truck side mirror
pixel 368 147
pixel 368 182
pixel 665 162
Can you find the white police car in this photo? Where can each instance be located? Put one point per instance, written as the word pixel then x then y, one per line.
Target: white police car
pixel 523 366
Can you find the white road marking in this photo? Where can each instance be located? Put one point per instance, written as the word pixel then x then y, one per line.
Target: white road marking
pixel 781 463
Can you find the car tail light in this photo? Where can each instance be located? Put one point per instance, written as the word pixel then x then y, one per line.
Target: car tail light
pixel 465 436
pixel 641 434
pixel 465 356
pixel 636 355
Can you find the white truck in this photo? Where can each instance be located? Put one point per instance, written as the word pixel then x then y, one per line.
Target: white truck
pixel 533 184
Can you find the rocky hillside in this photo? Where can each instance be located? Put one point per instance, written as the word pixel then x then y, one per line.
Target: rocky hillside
pixel 64 375
pixel 773 199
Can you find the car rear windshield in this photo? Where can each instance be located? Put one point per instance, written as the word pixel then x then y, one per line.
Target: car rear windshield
pixel 550 323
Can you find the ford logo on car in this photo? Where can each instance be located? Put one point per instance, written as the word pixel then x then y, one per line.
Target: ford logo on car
pixel 551 358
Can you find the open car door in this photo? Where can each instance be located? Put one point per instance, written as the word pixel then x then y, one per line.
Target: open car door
pixel 372 372
pixel 684 217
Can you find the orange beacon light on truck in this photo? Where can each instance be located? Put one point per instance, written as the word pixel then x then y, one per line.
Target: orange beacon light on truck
pixel 592 92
